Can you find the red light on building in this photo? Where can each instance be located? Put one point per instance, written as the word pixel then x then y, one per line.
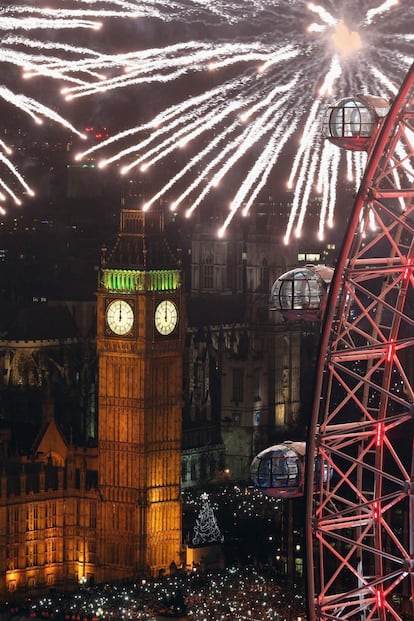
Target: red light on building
pixel 98 133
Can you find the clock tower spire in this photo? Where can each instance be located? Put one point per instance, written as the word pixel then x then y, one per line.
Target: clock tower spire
pixel 140 342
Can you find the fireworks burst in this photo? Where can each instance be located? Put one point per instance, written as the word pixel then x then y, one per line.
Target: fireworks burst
pixel 275 65
pixel 20 47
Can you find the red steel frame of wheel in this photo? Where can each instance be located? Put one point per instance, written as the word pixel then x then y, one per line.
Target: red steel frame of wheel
pixel 360 518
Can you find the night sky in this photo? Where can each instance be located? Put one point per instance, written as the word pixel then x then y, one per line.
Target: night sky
pixel 265 27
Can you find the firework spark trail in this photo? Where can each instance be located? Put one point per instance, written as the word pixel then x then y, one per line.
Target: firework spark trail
pixel 379 10
pixel 335 48
pixel 264 167
pixel 324 15
pixel 207 122
pixel 239 147
pixel 211 166
pixel 181 137
pixel 244 142
pixel 21 17
pixel 170 63
pixel 5 160
pixel 349 166
pixel 328 174
pixel 34 109
pixel 300 169
pixel 261 169
pixel 213 12
pixel 189 166
pixel 323 180
pixel 34 63
pixel 9 192
pixel 355 165
pixel 360 161
pixel 175 116
pixel 300 154
pixel 332 180
pixel 59 61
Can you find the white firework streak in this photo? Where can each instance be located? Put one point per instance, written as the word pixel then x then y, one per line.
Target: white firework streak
pixel 23 17
pixel 312 158
pixel 300 166
pixel 204 174
pixel 5 160
pixel 329 176
pixel 58 61
pixel 168 10
pixel 350 47
pixel 209 120
pixel 34 109
pixel 333 179
pixel 261 170
pixel 324 181
pixel 379 10
pixel 5 147
pixel 355 165
pixel 191 130
pixel 171 63
pixel 175 116
pixel 191 164
pixel 181 137
pixel 331 77
pixel 324 15
pixel 350 173
pixel 250 136
pixel 264 165
pixel 324 163
pixel 57 67
pixel 360 161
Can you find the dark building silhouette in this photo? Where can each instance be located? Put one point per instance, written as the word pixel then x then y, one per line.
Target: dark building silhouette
pixel 105 417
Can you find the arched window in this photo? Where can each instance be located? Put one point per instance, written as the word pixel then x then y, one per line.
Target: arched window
pixel 207 272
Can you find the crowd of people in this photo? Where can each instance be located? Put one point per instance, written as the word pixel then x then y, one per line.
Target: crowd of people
pixel 236 594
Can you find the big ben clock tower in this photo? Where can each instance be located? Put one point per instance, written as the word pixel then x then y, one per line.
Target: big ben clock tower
pixel 140 341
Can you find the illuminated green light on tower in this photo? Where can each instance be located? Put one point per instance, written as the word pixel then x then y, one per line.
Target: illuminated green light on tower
pixel 138 280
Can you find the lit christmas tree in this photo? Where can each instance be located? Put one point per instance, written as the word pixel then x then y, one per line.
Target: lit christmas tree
pixel 206 529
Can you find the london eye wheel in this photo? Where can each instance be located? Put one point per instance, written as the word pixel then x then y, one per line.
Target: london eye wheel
pixel 360 489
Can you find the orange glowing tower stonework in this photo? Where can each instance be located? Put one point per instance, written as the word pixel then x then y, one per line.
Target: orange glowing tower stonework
pixel 140 342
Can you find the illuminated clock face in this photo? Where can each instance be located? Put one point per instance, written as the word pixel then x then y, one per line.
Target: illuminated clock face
pixel 166 317
pixel 120 317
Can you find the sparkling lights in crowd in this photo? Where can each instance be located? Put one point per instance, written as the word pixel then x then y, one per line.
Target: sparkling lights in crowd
pixel 237 594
